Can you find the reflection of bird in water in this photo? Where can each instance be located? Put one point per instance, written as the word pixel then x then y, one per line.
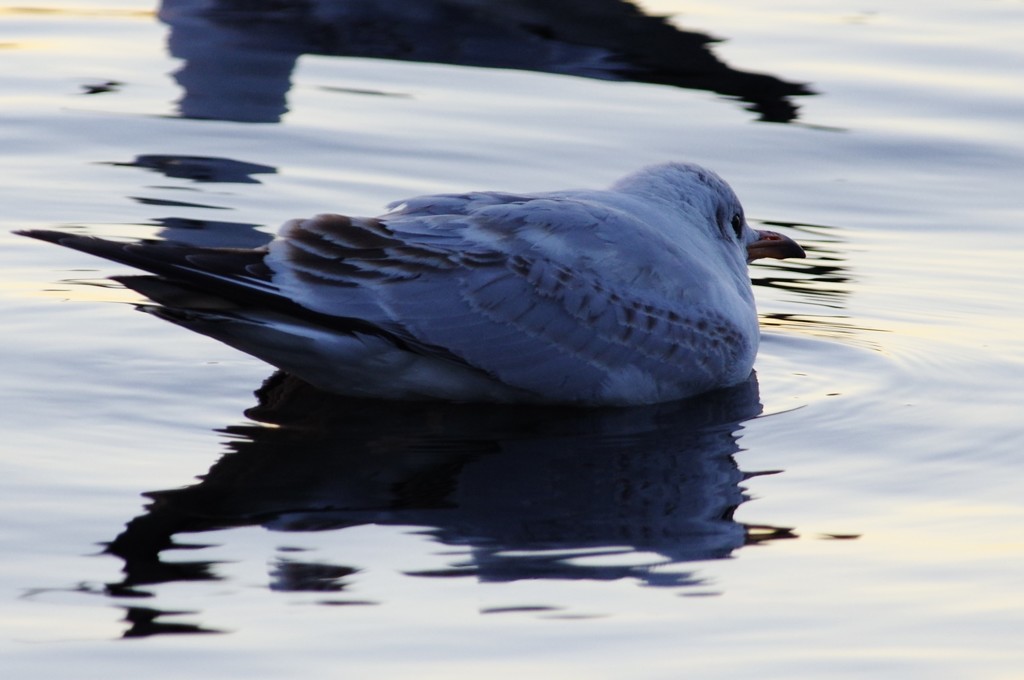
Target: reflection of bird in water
pixel 636 294
pixel 239 56
pixel 525 491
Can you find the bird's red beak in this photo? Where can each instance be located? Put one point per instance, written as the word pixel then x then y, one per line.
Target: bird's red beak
pixel 772 244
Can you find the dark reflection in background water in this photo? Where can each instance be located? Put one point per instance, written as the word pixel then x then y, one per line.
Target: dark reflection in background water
pixel 521 492
pixel 200 168
pixel 239 55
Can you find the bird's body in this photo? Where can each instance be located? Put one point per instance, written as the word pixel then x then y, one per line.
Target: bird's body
pixel 637 294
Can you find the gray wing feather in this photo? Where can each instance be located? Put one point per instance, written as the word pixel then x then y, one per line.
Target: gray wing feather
pixel 488 282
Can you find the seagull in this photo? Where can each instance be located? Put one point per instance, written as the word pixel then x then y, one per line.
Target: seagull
pixel 636 294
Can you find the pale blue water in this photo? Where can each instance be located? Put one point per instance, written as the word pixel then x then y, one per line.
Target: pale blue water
pixel 854 512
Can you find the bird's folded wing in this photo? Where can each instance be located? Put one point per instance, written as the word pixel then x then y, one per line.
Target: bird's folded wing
pixel 498 296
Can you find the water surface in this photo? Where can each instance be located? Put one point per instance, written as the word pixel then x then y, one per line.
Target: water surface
pixel 853 510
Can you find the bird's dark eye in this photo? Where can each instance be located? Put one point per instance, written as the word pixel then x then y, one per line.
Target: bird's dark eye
pixel 737 226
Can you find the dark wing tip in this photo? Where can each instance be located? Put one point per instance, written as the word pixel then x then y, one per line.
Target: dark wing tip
pixel 43 234
pixel 131 253
pixel 213 266
pixel 88 244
